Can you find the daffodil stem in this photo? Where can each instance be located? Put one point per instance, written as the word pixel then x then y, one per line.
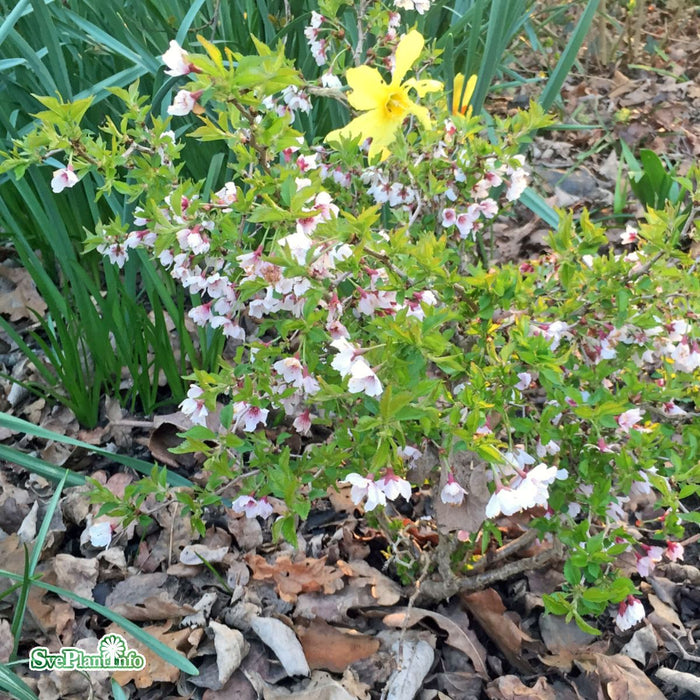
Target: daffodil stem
pixel 482 248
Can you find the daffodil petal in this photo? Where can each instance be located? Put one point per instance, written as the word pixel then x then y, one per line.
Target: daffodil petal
pixel 423 86
pixel 368 88
pixel 421 113
pixel 369 124
pixel 468 92
pixel 407 53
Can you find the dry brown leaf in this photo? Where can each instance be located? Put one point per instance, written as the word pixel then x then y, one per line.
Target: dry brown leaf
pixel 246 531
pixel 231 649
pixel 18 294
pixel 6 641
pixel 76 575
pixel 559 635
pixel 156 669
pixel 621 679
pixel 488 609
pixel 470 471
pixel 141 598
pixel 512 688
pixel 328 648
pixel 383 589
pixel 196 554
pixel 165 437
pixel 456 636
pixel 663 615
pixel 293 577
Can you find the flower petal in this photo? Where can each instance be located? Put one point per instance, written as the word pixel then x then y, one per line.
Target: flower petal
pixel 459 99
pixel 423 86
pixel 407 53
pixel 421 113
pixel 369 91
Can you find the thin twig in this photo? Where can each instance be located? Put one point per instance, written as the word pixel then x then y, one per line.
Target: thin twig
pixel 679 649
pixel 432 591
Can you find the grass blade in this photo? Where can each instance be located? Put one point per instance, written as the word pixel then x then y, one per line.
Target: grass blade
pixel 12 18
pixel 23 426
pixel 31 562
pixel 14 685
pixel 536 204
pixel 156 646
pixel 38 466
pixel 566 60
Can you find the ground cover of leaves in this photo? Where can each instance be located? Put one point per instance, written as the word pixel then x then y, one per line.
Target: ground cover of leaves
pixel 331 620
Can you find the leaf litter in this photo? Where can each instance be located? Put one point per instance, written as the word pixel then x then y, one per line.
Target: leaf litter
pixel 332 622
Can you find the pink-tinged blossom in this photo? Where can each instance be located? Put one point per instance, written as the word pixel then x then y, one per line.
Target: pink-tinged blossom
pixel 248 417
pixel 671 409
pixel 394 486
pixel 183 103
pixel 226 196
pixel 64 178
pixel 420 6
pixel 465 222
pixel 230 328
pixel 296 99
pixel 365 488
pixel 452 493
pixel 177 61
pixel 524 492
pixel 144 238
pixel 629 420
pixel 302 423
pixel 408 453
pixel 525 381
pixel 449 218
pixel 518 459
pixel 193 406
pixel 363 379
pixel 298 244
pixel 646 563
pixel 614 511
pixel 488 208
pixel 201 315
pixel 252 507
pixel 629 613
pixel 100 534
pixel 551 448
pixel 331 81
pixel 631 235
pixel 506 501
pixel 116 252
pixel 686 356
pixel 518 184
pixel 674 551
pixel 347 354
pixel 553 332
pixel 291 369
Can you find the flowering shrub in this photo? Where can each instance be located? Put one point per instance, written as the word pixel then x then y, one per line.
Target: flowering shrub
pixel 368 334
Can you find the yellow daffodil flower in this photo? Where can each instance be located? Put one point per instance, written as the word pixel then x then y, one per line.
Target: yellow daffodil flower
pixel 468 92
pixel 385 106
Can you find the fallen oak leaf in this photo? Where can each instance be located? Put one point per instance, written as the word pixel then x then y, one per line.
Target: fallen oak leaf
pixel 305 575
pixel 488 610
pixel 512 688
pixel 328 648
pixel 620 679
pixel 22 300
pixel 456 636
pixel 156 668
pixel 284 643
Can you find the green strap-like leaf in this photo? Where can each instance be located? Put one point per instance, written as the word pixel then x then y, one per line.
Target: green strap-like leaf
pixel 156 646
